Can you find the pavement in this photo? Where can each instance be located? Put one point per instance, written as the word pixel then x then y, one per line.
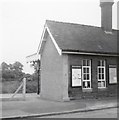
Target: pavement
pixel 33 106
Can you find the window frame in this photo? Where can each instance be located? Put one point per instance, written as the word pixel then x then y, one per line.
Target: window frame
pixel 103 72
pixel 86 73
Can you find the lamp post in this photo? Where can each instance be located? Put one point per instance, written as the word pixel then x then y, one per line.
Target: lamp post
pixel 38 70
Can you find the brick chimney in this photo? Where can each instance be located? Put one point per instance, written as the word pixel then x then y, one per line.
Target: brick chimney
pixel 106 14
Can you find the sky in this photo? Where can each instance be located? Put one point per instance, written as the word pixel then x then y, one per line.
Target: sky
pixel 22 22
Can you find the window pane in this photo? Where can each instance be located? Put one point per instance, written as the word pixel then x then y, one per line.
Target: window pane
pixel 84 76
pixel 103 83
pixel 87 76
pixel 103 62
pixel 87 70
pixel 84 70
pixel 98 63
pixel 84 62
pixel 100 76
pixel 99 70
pixel 88 62
pixel 88 84
pixel 102 70
pixel 99 83
pixel 84 85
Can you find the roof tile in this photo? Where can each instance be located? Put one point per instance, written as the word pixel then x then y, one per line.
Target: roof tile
pixel 77 37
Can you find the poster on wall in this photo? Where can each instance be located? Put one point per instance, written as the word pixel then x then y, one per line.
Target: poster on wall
pixel 76 76
pixel 112 74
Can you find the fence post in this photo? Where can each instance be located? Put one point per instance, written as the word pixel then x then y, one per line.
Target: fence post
pixel 24 87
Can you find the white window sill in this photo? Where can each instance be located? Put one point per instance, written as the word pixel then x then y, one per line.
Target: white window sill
pixel 87 89
pixel 102 88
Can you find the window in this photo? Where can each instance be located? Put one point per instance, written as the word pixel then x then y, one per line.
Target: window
pixel 112 74
pixel 86 74
pixel 76 76
pixel 101 74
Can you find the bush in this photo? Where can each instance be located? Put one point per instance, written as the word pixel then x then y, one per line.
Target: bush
pixel 31 86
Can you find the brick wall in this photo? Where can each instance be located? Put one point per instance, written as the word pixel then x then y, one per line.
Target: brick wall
pixel 110 90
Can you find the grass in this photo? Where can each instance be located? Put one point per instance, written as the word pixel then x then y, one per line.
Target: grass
pixel 11 86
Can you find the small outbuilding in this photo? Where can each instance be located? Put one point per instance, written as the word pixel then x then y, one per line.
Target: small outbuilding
pixel 79 61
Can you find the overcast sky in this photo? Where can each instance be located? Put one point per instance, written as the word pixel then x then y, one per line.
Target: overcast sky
pixel 22 21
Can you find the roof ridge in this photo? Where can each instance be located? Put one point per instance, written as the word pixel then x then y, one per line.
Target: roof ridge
pixel 63 22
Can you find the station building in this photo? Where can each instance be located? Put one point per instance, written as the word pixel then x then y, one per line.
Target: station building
pixel 79 61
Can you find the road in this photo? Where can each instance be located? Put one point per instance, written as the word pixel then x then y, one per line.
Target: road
pixel 35 106
pixel 106 113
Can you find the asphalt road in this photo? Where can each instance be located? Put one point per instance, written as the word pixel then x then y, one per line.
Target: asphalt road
pixel 106 113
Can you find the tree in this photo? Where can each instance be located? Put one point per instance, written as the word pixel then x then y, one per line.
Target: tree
pixel 17 68
pixel 5 71
pixel 4 66
pixel 12 71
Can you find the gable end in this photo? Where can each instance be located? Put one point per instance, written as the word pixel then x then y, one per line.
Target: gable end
pixel 44 39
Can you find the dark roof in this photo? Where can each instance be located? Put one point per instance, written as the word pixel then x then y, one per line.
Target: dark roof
pixel 83 38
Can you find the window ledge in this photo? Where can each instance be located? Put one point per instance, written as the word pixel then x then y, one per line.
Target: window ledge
pixel 103 88
pixel 87 89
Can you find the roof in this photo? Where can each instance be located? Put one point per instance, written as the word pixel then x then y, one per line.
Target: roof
pixel 83 38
